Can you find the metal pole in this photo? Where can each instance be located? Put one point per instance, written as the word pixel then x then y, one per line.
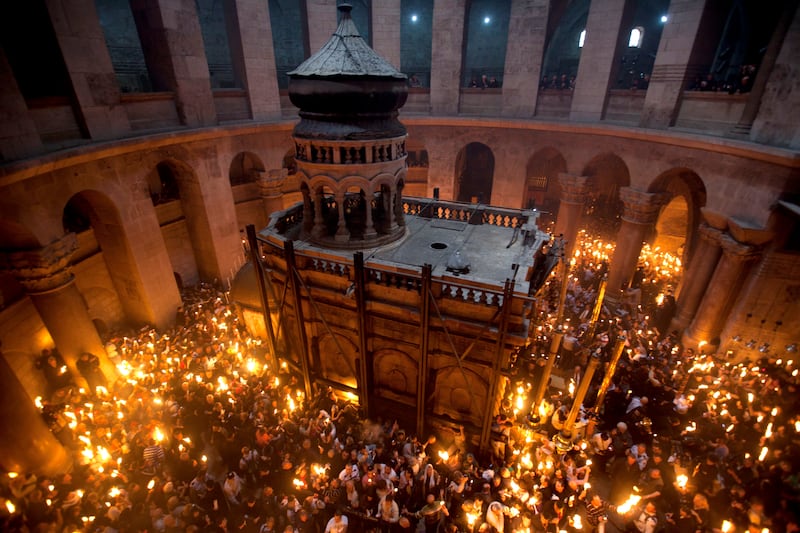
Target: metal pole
pixel 580 394
pixel 541 387
pixel 598 306
pixel 609 375
pixel 563 440
pixel 255 256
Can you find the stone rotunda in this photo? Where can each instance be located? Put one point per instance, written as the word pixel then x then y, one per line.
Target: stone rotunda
pixel 349 145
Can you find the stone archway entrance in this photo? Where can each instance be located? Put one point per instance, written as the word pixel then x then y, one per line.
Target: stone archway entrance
pixel 474 173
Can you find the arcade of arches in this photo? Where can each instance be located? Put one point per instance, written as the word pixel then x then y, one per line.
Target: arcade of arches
pixel 115 196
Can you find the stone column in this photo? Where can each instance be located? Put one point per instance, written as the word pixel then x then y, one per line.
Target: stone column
pixel 319 222
pixel 342 233
pixel 308 210
pixel 83 47
pixel 269 188
pixel 446 51
pixel 574 191
pixel 48 279
pixel 176 59
pixel 599 56
pixel 19 137
pixel 721 292
pixel 778 109
pixel 321 20
pixel 27 445
pixel 697 275
pixel 673 65
pixel 386 30
pixel 524 53
pixel 251 49
pixel 640 212
pixel 369 227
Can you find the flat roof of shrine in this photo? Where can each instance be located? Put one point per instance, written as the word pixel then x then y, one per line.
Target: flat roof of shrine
pixel 495 241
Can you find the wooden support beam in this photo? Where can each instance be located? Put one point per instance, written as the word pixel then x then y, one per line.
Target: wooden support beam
pixel 498 363
pixel 424 328
pixel 365 370
pixel 293 277
pixel 255 256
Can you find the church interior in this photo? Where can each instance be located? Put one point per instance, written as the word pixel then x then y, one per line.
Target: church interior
pixel 399 265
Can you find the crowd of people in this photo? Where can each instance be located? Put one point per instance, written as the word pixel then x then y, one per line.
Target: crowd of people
pixel 558 82
pixel 484 82
pixel 740 82
pixel 204 431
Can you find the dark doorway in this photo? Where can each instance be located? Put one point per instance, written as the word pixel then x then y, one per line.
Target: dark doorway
pixel 474 173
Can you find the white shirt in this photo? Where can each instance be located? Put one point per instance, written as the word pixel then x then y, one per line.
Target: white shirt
pixel 334 527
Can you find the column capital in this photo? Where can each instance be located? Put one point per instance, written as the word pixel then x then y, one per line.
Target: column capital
pixel 44 269
pixel 737 251
pixel 271 184
pixel 574 189
pixel 710 234
pixel 641 207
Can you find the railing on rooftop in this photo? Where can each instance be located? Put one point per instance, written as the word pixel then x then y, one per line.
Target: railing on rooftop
pixel 476 214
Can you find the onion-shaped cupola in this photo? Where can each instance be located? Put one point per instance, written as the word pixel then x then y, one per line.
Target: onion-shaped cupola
pixel 349 144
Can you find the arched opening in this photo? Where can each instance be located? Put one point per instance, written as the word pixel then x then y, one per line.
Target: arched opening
pixel 678 221
pixel 474 173
pixel 246 167
pixel 185 225
pixel 418 163
pixel 608 173
pixel 336 360
pixel 289 162
pixel 355 211
pixel 116 283
pixel 163 184
pixel 542 191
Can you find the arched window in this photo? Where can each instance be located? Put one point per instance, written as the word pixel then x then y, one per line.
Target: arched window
pixel 582 39
pixel 635 40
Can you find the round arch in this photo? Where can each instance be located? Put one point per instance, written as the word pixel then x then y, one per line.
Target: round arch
pixel 395 372
pixel 461 394
pixel 680 218
pixel 541 180
pixel 608 174
pixel 245 167
pixel 112 239
pixel 474 173
pixel 336 358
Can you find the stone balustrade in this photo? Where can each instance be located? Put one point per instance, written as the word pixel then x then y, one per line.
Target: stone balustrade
pixel 329 152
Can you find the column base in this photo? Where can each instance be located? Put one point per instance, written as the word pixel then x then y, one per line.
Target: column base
pixel 695 341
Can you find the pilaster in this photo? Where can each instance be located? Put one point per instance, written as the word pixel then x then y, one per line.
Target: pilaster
pixel 253 53
pixel 672 67
pixel 524 53
pixel 598 58
pixel 94 83
pixel 446 56
pixel 176 60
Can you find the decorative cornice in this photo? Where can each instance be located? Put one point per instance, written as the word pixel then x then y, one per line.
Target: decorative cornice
pixel 642 207
pixel 271 184
pixel 737 251
pixel 44 269
pixel 710 234
pixel 574 189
